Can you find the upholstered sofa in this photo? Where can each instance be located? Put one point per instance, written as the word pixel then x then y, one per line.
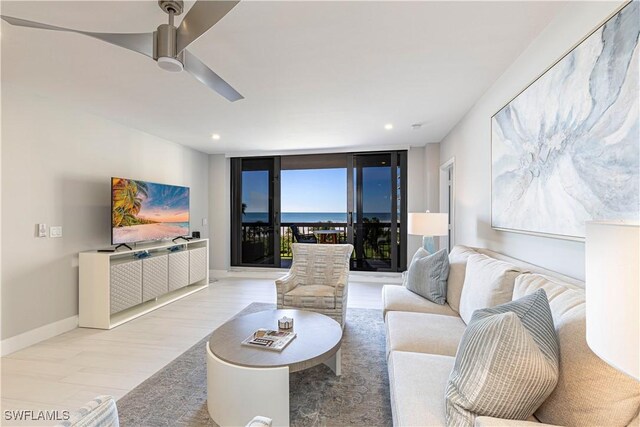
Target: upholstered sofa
pixel 422 339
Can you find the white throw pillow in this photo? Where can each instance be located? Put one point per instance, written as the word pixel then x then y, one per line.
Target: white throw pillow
pixel 457 266
pixel 487 282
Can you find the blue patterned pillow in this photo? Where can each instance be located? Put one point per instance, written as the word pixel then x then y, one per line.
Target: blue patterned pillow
pixel 427 275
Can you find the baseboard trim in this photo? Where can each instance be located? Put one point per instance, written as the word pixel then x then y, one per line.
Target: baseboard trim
pixel 275 273
pixel 34 336
pixel 248 273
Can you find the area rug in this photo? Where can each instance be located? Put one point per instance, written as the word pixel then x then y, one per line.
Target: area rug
pixel 177 394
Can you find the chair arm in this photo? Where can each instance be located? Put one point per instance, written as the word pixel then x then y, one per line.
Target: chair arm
pixel 341 285
pixel 285 283
pixel 501 422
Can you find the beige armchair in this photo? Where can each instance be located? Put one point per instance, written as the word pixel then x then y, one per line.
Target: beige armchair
pixel 317 280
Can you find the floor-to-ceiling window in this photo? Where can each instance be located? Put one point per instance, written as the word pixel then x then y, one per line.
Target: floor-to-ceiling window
pixel 330 198
pixel 255 213
pixel 313 192
pixel 378 210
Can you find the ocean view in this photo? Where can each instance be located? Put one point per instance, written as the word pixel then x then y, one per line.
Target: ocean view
pixel 302 217
pixel 145 232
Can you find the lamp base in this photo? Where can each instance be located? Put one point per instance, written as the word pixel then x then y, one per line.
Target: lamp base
pixel 429 244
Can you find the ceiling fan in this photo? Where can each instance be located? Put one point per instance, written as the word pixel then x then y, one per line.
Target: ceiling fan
pixel 167 45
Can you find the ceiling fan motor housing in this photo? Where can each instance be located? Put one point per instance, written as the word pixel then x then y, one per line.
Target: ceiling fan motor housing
pixel 164 48
pixel 167 45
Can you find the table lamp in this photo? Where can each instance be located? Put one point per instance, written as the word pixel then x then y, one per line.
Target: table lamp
pixel 612 282
pixel 428 225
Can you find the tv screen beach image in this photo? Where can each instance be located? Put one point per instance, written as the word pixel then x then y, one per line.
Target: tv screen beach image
pixel 143 210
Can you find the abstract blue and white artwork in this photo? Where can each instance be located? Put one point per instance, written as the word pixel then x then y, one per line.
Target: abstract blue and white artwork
pixel 567 149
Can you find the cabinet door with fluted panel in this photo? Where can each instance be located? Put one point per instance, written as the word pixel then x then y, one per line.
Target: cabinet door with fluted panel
pixel 155 277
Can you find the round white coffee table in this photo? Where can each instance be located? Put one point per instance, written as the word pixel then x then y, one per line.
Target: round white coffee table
pixel 243 382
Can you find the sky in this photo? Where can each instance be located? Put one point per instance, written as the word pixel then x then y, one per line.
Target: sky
pixel 166 203
pixel 314 190
pixel 317 190
pixel 255 191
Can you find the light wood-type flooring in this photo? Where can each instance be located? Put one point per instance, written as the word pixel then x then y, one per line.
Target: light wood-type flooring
pixel 66 371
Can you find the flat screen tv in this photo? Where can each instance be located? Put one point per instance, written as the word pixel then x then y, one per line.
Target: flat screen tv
pixel 145 211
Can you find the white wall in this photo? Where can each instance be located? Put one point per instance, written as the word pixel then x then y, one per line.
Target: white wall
pixel 56 165
pixel 416 192
pixel 219 212
pixel 432 177
pixel 470 143
pixel 422 186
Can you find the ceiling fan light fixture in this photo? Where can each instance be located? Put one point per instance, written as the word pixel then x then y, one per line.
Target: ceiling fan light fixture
pixel 170 64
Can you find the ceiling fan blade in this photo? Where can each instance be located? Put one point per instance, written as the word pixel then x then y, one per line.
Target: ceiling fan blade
pixel 209 78
pixel 140 42
pixel 203 15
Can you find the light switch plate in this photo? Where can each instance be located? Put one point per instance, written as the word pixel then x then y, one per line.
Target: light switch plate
pixel 41 230
pixel 55 231
pixel 205 221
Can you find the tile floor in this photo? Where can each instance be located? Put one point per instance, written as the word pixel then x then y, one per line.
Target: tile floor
pixel 66 371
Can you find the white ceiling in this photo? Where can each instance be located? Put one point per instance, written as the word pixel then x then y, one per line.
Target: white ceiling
pixel 315 75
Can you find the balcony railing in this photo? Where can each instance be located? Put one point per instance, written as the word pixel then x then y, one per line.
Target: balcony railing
pixel 375 241
pixel 286 235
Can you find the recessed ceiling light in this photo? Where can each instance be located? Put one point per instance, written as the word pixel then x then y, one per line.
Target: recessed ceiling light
pixel 388 126
pixel 215 137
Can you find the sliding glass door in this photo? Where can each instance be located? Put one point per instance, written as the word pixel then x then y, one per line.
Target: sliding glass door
pixel 378 214
pixel 329 198
pixel 255 216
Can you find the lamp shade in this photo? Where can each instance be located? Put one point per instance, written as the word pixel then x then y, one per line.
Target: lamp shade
pixel 612 275
pixel 428 224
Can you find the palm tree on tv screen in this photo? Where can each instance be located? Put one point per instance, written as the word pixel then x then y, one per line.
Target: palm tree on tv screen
pixel 127 201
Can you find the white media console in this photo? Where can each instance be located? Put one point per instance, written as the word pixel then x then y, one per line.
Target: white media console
pixel 116 287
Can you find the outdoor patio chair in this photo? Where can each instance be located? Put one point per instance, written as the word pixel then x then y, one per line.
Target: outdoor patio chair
pixel 302 238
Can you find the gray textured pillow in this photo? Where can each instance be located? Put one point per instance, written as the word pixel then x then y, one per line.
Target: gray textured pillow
pixel 428 274
pixel 506 364
pixel 420 253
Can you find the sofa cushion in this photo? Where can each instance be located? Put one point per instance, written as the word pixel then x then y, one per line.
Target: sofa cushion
pixel 423 333
pixel 457 266
pixel 311 296
pixel 428 274
pixel 399 298
pixel 417 382
pixel 506 364
pixel 589 392
pixel 487 283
